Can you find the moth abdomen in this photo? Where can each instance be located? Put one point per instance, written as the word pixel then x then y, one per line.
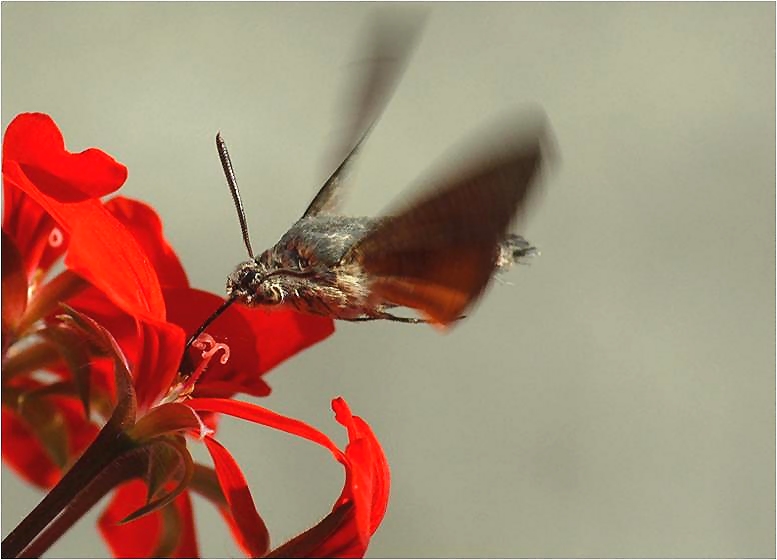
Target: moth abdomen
pixel 514 249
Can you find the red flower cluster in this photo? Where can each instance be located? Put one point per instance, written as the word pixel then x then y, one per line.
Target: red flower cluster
pixel 104 339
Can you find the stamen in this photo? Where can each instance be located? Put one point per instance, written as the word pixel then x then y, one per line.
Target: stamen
pixel 209 348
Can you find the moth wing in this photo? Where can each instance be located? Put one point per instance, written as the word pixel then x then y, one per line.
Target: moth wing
pixel 437 256
pixel 390 43
pixel 327 201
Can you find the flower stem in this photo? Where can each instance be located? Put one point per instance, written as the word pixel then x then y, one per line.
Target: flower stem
pixel 109 445
pixel 130 465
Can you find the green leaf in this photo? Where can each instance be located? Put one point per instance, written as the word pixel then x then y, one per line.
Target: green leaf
pixel 164 464
pixel 164 419
pixel 183 468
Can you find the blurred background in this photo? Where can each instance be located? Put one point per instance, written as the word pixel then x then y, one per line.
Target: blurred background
pixel 616 398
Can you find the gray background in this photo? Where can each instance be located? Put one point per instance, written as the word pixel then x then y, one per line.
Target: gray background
pixel 615 398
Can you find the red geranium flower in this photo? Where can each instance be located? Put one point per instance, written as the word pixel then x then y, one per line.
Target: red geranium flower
pixel 117 348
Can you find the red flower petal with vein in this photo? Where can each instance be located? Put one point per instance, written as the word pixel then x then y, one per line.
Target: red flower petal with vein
pixel 34 143
pixel 153 348
pixel 66 185
pixel 143 537
pixel 144 223
pixel 282 332
pixel 157 364
pixel 107 255
pixel 367 475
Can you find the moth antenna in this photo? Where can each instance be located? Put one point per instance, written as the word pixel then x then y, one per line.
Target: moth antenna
pixel 229 173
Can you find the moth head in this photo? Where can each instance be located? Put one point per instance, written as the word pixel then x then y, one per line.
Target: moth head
pixel 252 285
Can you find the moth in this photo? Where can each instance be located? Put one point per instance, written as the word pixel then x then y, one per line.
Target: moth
pixel 436 255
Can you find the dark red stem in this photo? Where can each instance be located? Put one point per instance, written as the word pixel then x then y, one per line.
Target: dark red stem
pixel 110 444
pixel 132 464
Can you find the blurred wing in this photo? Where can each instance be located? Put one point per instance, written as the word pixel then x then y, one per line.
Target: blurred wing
pixel 327 201
pixel 439 254
pixel 390 43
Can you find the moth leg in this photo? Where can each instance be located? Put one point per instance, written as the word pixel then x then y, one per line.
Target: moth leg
pixel 410 320
pixel 387 317
pixel 382 315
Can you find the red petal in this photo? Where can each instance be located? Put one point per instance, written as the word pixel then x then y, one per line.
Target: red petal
pixel 161 346
pixel 93 303
pixel 35 233
pixel 374 491
pixel 67 187
pixel 105 253
pixel 265 417
pixel 141 537
pixel 205 482
pixel 253 532
pixel 367 473
pixel 144 223
pixel 367 486
pixel 34 142
pixel 153 347
pixel 280 333
pixel 101 250
pixel 24 454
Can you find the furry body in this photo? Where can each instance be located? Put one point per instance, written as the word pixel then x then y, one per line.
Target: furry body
pixel 311 269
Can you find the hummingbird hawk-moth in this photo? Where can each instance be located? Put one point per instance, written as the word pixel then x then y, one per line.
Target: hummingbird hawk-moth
pixel 436 255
